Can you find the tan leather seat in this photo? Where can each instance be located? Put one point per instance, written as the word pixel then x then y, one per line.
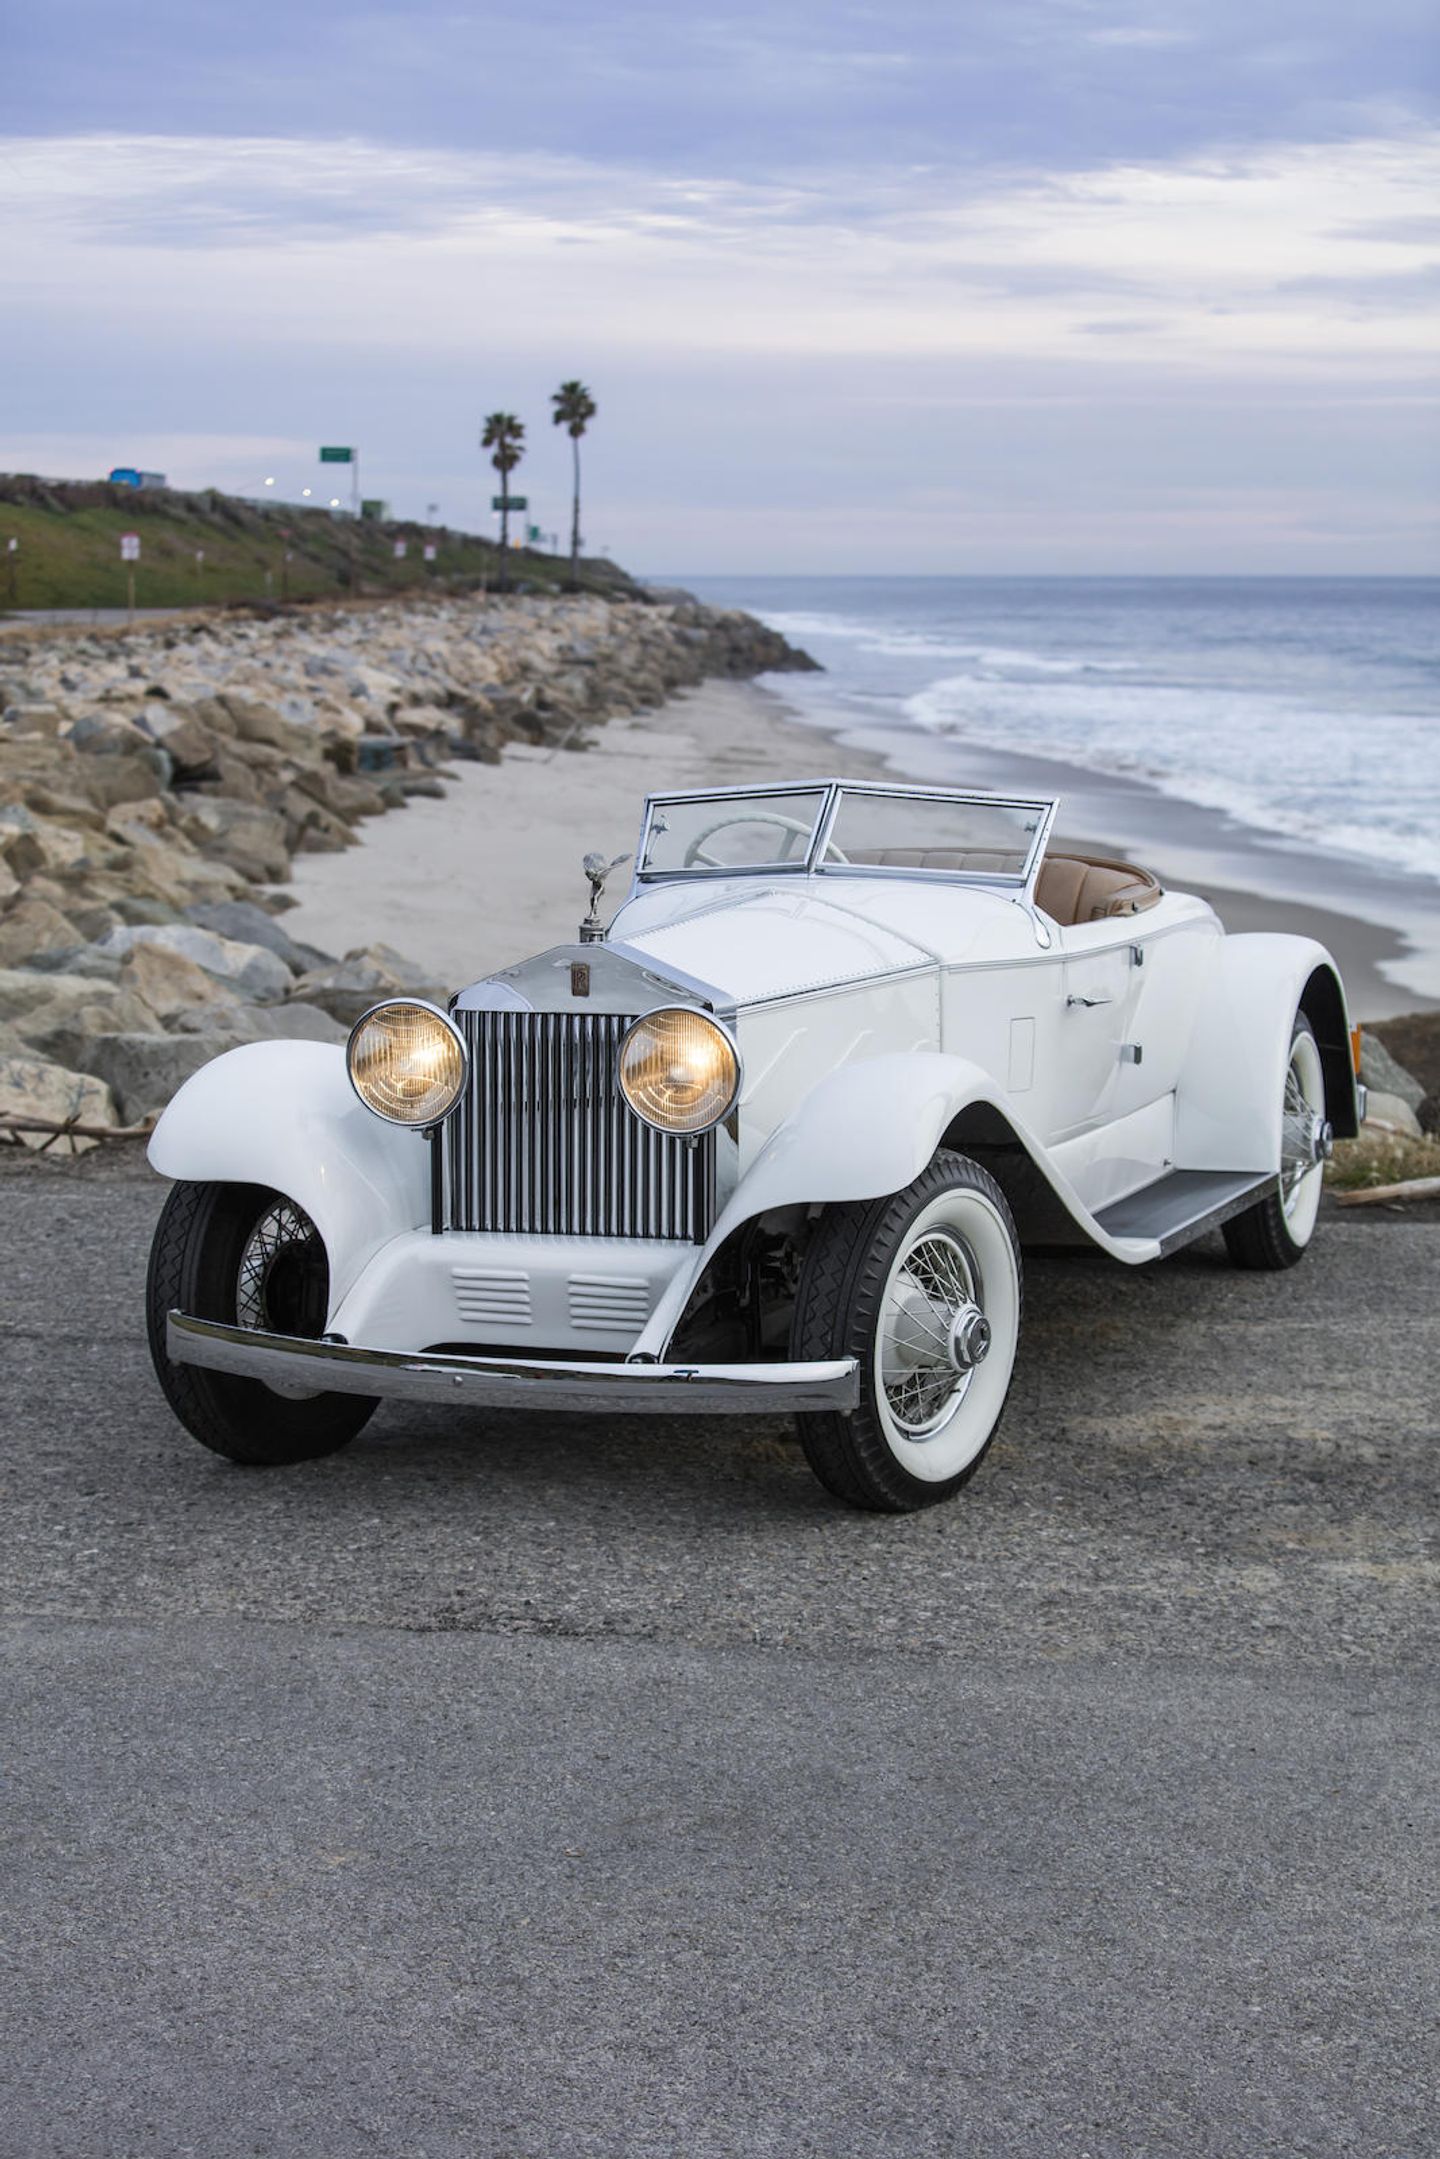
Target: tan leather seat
pixel 978 861
pixel 1072 889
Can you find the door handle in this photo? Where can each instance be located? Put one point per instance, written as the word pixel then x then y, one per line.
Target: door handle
pixel 1093 998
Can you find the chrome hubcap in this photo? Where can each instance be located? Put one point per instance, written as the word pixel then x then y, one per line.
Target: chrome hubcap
pixel 933 1333
pixel 969 1338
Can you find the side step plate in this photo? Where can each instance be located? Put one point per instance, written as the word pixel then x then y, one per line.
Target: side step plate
pixel 1177 1209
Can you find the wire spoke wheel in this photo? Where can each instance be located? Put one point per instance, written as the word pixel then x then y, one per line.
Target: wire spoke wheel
pixel 923 1289
pixel 934 1289
pixel 1275 1232
pixel 283 1278
pixel 246 1257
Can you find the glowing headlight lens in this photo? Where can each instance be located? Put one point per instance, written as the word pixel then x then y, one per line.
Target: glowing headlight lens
pixel 678 1070
pixel 406 1063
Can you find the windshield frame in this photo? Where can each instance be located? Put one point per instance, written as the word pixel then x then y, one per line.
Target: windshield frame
pixel 832 793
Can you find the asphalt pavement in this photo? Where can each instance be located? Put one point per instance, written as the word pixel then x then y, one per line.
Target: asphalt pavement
pixel 510 1790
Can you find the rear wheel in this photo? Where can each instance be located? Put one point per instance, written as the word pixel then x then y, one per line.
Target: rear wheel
pixel 1274 1233
pixel 248 1258
pixel 923 1287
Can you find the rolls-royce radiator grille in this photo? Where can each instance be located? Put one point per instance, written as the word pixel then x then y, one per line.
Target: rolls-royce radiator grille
pixel 543 1142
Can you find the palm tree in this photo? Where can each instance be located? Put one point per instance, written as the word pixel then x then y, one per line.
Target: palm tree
pixel 505 436
pixel 574 409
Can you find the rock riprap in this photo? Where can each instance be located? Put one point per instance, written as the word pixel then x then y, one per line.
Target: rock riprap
pixel 155 785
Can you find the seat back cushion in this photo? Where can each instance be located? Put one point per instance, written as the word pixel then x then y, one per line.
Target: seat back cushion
pixel 976 861
pixel 1088 888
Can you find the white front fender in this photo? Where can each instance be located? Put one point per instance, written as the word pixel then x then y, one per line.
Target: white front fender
pixel 284 1115
pixel 867 1129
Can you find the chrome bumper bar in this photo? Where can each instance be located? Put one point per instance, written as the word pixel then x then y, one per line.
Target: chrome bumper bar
pixel 294 1366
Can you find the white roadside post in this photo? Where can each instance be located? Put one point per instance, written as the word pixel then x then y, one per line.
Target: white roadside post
pixel 12 562
pixel 130 553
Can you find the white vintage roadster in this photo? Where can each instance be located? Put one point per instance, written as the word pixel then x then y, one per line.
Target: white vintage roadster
pixel 773 1141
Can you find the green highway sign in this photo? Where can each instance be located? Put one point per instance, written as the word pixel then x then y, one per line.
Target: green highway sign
pixel 337 457
pixel 509 502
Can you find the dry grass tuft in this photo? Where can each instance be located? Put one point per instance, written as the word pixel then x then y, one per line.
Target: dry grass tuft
pixel 1381 1158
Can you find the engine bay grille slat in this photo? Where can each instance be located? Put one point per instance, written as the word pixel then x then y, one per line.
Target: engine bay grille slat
pixel 542 1143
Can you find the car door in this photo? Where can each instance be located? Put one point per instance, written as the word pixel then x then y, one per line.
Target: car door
pixel 1098 989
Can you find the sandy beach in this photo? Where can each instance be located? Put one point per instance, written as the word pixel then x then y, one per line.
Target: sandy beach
pixel 492 872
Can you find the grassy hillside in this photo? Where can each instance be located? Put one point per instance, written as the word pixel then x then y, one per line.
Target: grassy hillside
pixel 69 552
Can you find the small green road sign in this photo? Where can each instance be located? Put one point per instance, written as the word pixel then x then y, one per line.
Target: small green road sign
pixel 334 456
pixel 509 502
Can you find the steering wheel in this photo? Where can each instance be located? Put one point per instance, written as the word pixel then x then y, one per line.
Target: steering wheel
pixel 790 826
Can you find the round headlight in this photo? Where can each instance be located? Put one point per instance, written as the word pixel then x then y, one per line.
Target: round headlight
pixel 406 1062
pixel 678 1070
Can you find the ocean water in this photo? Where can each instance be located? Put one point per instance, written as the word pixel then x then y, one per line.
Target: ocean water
pixel 1307 708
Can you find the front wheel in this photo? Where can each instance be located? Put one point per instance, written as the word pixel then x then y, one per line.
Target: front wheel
pixel 248 1258
pixel 924 1288
pixel 1274 1233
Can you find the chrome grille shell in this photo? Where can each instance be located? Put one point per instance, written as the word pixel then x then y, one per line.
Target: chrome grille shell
pixel 543 1144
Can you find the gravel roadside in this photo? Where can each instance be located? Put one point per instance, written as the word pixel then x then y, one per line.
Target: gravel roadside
pixel 500 1789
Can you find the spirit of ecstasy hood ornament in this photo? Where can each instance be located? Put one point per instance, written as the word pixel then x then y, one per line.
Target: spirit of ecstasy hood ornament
pixel 597 869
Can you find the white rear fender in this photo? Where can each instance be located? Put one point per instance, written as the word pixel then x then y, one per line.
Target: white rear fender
pixel 1228 1102
pixel 283 1114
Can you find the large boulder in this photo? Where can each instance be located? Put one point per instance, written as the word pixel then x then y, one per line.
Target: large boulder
pixel 169 982
pixel 1384 1075
pixel 247 970
pixel 26 992
pixel 283 1023
pixel 121 762
pixel 144 1070
pixel 34 927
pixel 67 1033
pixel 1392 1112
pixel 190 746
pixel 33 1087
pixel 250 839
pixel 248 924
pixel 346 988
pixel 32 718
pixel 253 720
pixel 35 845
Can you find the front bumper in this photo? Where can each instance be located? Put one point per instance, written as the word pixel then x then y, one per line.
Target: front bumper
pixel 298 1367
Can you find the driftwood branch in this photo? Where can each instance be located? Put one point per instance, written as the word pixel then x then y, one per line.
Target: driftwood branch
pixel 1376 1195
pixel 72 1128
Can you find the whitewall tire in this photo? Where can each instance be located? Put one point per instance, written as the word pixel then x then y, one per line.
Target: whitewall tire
pixel 1276 1231
pixel 924 1288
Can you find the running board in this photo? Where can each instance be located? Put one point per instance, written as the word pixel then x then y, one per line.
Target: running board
pixel 1179 1208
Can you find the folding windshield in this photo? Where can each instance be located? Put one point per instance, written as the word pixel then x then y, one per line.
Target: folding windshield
pixel 838 827
pixel 963 835
pixel 763 830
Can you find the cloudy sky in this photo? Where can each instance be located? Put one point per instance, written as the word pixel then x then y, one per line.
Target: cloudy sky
pixel 1012 285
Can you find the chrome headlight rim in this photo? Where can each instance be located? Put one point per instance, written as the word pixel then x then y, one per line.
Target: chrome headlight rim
pixel 726 1034
pixel 410 1004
